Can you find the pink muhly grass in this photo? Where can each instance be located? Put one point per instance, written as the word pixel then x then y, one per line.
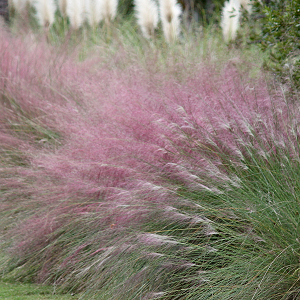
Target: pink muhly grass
pixel 170 12
pixel 147 16
pixel 109 153
pixel 156 239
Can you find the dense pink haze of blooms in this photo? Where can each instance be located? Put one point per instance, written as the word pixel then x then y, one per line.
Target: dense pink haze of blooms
pixel 124 138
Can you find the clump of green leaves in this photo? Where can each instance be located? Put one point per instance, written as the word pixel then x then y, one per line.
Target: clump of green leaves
pixel 280 37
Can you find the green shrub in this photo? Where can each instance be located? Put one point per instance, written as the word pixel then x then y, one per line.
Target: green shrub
pixel 280 38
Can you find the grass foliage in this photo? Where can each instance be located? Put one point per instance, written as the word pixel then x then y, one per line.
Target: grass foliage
pixel 141 170
pixel 13 291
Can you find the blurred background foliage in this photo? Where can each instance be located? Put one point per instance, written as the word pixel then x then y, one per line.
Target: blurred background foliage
pixel 274 26
pixel 279 37
pixel 203 10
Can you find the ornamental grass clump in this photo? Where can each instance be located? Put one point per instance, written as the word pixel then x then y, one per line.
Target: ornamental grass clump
pixel 19 5
pixel 62 5
pixel 126 183
pixel 45 12
pixel 75 11
pixel 110 8
pixel 230 20
pixel 170 12
pixel 147 16
pixel 94 12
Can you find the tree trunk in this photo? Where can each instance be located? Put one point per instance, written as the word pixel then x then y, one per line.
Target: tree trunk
pixel 4 9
